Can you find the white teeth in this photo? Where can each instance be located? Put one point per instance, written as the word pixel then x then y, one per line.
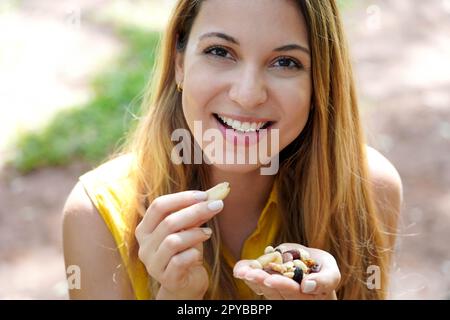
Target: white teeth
pixel 242 126
pixel 228 121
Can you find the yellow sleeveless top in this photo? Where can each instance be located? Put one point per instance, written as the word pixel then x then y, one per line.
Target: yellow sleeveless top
pixel 108 186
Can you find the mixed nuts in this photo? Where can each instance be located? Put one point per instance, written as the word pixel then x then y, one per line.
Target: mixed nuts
pixel 293 263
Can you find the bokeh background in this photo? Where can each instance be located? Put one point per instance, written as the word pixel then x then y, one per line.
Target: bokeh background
pixel 71 79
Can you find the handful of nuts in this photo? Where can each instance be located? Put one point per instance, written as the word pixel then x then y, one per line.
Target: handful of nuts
pixel 294 263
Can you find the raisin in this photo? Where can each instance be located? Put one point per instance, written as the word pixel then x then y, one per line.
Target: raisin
pixel 298 275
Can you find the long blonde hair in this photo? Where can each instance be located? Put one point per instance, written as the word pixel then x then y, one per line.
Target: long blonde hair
pixel 323 188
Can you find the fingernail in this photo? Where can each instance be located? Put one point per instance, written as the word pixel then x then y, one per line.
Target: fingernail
pixel 267 284
pixel 309 286
pixel 215 205
pixel 207 231
pixel 200 195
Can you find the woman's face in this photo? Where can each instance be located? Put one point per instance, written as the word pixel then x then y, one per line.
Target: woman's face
pixel 247 61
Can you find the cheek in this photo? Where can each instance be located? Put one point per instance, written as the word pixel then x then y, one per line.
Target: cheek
pixel 296 115
pixel 199 88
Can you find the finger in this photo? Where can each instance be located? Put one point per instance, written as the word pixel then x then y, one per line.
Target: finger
pixel 199 247
pixel 241 268
pixel 256 277
pixel 254 287
pixel 186 218
pixel 324 281
pixel 175 275
pixel 156 261
pixel 240 271
pixel 288 288
pixel 271 294
pixel 320 283
pixel 146 253
pixel 164 205
pixel 178 242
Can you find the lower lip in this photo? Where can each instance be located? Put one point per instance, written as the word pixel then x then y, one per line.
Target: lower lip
pixel 241 138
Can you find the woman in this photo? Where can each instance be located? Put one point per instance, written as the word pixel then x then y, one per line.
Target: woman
pixel 139 225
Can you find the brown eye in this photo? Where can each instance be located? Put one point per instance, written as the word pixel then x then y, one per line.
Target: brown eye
pixel 217 51
pixel 288 63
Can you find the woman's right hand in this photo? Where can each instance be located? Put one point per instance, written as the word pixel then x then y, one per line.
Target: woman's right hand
pixel 171 243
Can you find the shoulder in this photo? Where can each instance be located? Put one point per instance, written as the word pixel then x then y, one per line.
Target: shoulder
pixel 90 246
pixel 383 174
pixel 115 168
pixel 109 187
pixel 387 188
pixel 78 202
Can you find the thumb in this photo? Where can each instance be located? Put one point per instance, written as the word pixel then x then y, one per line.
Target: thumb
pixel 322 282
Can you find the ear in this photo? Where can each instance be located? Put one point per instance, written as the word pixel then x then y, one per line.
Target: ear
pixel 179 67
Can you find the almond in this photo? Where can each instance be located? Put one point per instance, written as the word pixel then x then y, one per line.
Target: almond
pixel 219 192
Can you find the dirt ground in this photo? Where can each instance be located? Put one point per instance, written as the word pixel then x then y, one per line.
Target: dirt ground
pixel 401 59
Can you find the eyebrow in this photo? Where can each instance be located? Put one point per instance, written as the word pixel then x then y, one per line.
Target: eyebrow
pixel 228 38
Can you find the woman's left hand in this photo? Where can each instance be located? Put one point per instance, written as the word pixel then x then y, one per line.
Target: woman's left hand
pixel 320 285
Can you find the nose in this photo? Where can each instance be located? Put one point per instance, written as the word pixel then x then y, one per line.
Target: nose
pixel 249 90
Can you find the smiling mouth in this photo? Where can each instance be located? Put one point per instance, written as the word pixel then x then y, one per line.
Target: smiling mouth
pixel 239 126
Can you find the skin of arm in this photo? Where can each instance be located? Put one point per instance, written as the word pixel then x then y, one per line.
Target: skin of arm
pixel 89 245
pixel 388 193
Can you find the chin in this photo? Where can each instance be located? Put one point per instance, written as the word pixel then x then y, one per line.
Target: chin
pixel 237 168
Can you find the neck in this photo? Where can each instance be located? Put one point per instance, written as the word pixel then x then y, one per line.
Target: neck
pixel 248 196
pixel 243 206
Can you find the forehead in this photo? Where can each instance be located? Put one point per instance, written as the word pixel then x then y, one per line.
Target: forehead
pixel 268 22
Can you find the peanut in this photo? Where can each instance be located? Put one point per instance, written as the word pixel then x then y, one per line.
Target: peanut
pixel 277 267
pixel 270 257
pixel 301 264
pixel 269 249
pixel 255 264
pixel 304 254
pixel 289 265
pixel 289 274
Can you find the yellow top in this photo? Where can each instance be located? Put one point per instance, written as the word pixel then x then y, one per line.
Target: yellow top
pixel 108 186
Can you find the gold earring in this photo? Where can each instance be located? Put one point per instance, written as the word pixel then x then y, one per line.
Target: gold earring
pixel 179 88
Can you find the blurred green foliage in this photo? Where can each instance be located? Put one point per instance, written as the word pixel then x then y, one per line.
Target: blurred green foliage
pixel 345 4
pixel 89 132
